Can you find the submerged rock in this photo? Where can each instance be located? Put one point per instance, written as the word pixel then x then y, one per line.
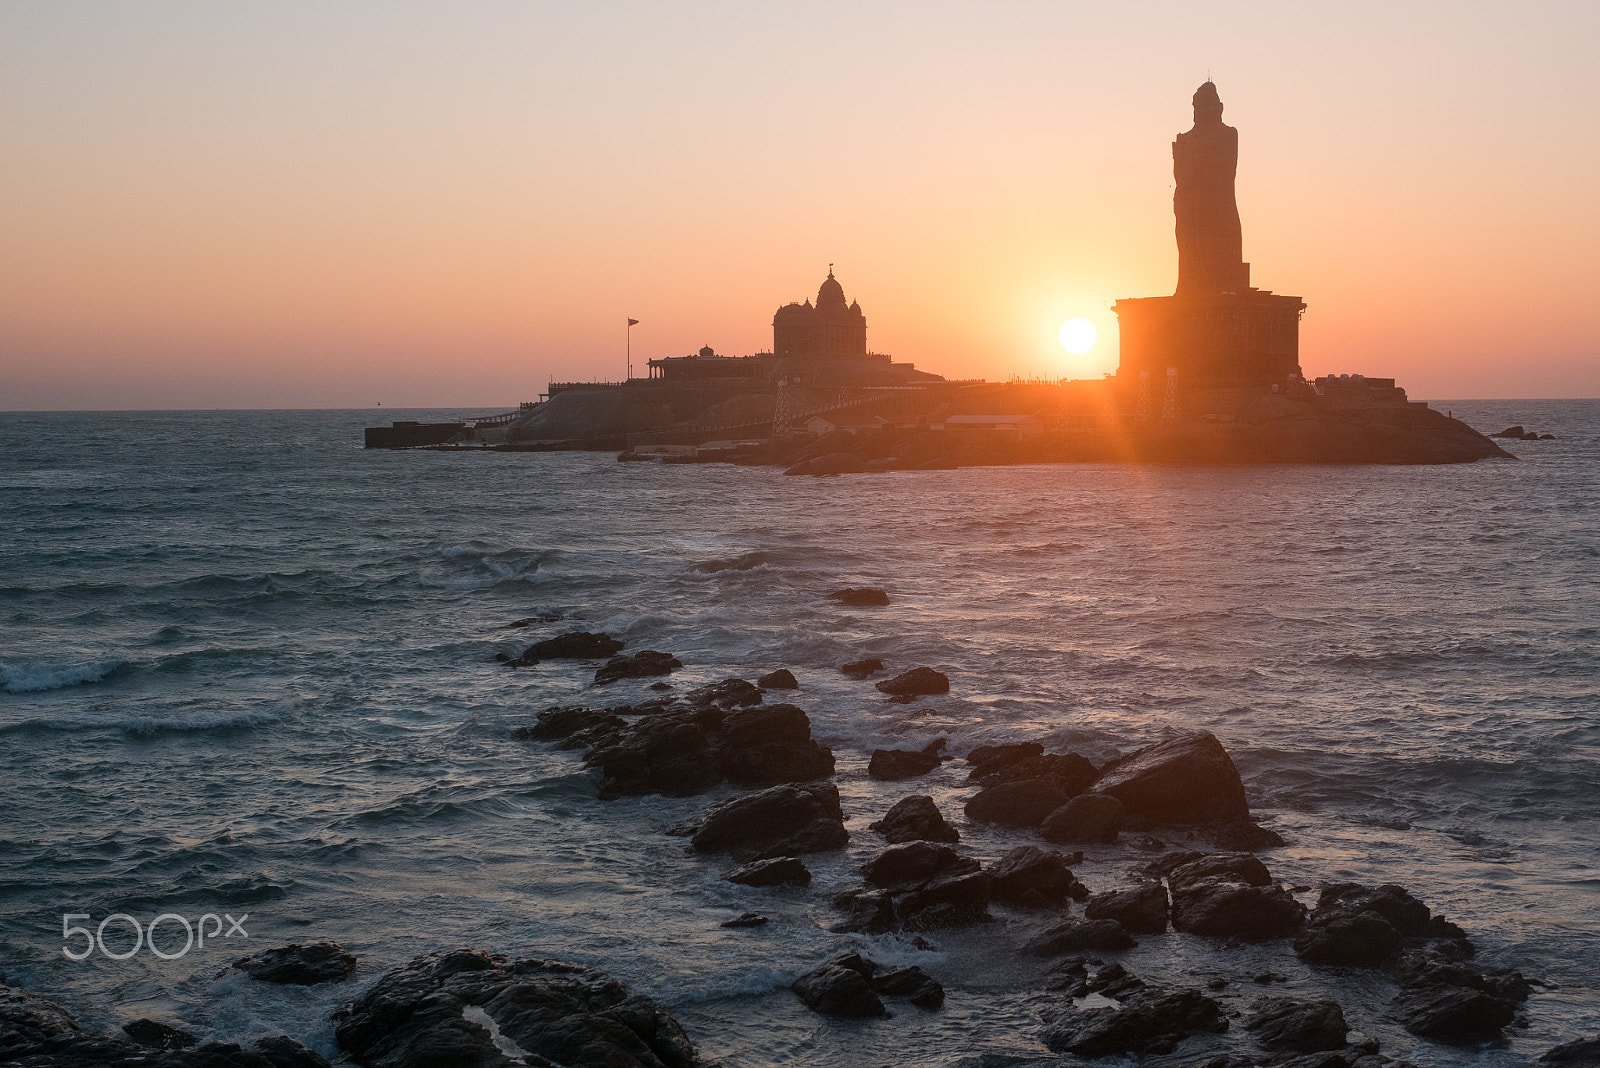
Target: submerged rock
pixel 464 1007
pixel 300 965
pixel 783 821
pixel 749 919
pixel 915 819
pixel 864 597
pixel 781 679
pixel 918 682
pixel 1189 779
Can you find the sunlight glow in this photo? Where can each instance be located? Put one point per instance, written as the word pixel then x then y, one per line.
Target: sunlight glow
pixel 1078 336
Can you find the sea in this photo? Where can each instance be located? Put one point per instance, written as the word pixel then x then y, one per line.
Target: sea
pixel 247 672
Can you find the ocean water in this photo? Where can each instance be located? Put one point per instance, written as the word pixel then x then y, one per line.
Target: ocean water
pixel 246 668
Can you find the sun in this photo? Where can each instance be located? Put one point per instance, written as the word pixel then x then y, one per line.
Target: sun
pixel 1078 336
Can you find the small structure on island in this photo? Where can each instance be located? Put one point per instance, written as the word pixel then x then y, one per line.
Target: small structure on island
pixel 1216 330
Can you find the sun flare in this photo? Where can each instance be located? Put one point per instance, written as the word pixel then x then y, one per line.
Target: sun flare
pixel 1078 336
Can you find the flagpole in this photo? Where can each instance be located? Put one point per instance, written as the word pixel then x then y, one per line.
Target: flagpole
pixel 629 350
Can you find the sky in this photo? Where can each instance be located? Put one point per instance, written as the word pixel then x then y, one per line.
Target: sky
pixel 341 204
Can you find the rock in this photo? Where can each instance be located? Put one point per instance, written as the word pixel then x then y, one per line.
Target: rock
pixel 578 645
pixel 1235 910
pixel 918 682
pixel 860 669
pixel 787 820
pixel 661 686
pixel 865 597
pixel 957 896
pixel 1024 803
pixel 1085 818
pixel 778 871
pixel 1239 836
pixel 1302 1026
pixel 1511 432
pixel 1185 780
pixel 687 750
pixel 641 665
pixel 1357 925
pixel 1071 771
pixel 1073 935
pixel 749 919
pixel 837 989
pixel 283 1052
pixel 437 1010
pixel 834 463
pixel 1453 1013
pixel 1231 867
pixel 1584 1053
pixel 1394 903
pixel 572 722
pixel 1141 909
pixel 1148 1021
pixel 1029 876
pixel 154 1035
pixel 990 757
pixel 891 764
pixel 782 679
pixel 915 819
pixel 300 965
pixel 729 693
pixel 909 982
pixel 909 862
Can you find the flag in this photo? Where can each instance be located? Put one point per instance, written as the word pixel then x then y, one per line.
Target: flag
pixel 633 322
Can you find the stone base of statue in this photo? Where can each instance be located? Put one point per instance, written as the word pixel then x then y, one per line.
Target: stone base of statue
pixel 1246 338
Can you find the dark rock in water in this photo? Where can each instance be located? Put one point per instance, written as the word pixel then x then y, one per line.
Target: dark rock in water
pixel 834 463
pixel 918 682
pixel 1074 978
pixel 909 982
pixel 749 919
pixel 300 965
pixel 783 821
pixel 688 750
pixel 1511 432
pixel 1141 909
pixel 990 757
pixel 778 871
pixel 1029 876
pixel 502 657
pixel 1394 903
pixel 860 669
pixel 1302 1026
pixel 518 624
pixel 782 679
pixel 865 597
pixel 578 645
pixel 1454 1013
pixel 1235 910
pixel 1073 935
pixel 1354 924
pixel 283 1052
pixel 956 896
pixel 1148 1021
pixel 1071 771
pixel 661 685
pixel 154 1035
pixel 1583 1053
pixel 1240 836
pixel 891 764
pixel 640 665
pixel 1085 818
pixel 1231 867
pixel 572 722
pixel 836 988
pixel 1025 803
pixel 915 819
pixel 1185 780
pixel 910 862
pixel 729 693
pixel 1432 966
pixel 437 1011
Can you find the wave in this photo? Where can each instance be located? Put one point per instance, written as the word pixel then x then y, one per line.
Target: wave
pixel 39 678
pixel 145 723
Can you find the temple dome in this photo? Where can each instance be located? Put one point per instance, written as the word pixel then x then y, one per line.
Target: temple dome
pixel 831 292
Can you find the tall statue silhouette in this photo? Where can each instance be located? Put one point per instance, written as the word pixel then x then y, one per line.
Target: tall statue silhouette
pixel 1204 161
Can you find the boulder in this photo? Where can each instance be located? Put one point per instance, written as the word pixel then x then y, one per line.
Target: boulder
pixel 1030 877
pixel 1141 909
pixel 787 820
pixel 300 965
pixel 1188 779
pixel 782 679
pixel 909 982
pixel 891 764
pixel 1148 1021
pixel 990 757
pixel 915 819
pixel 641 665
pixel 861 669
pixel 1073 772
pixel 840 987
pixel 918 682
pixel 1358 925
pixel 909 862
pixel 1301 1026
pixel 1085 818
pixel 577 645
pixel 1454 1013
pixel 155 1035
pixel 1023 803
pixel 772 744
pixel 865 597
pixel 1074 935
pixel 1232 867
pixel 1225 909
pixel 572 723
pixel 438 1009
pixel 778 871
pixel 833 463
pixel 1584 1053
pixel 1511 432
pixel 729 693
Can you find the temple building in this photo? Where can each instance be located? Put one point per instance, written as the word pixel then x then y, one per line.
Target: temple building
pixel 828 330
pixel 1216 329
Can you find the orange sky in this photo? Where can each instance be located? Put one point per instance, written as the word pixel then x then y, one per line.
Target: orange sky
pixel 311 205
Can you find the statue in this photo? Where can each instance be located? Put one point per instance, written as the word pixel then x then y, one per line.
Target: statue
pixel 1204 160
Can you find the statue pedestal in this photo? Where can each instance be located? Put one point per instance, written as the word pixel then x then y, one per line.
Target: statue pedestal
pixel 1220 339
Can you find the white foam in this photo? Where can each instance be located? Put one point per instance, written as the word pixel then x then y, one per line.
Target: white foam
pixel 37 678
